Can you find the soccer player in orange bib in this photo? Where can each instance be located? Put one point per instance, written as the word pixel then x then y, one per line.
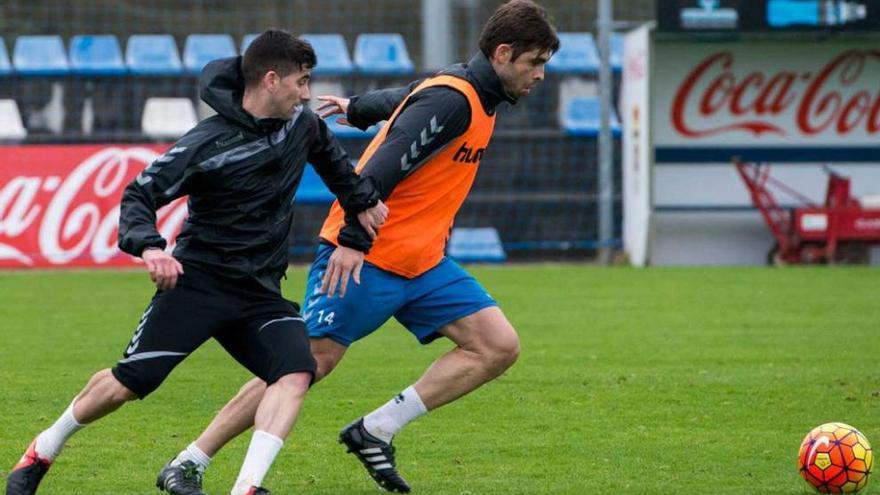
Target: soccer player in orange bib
pixel 423 162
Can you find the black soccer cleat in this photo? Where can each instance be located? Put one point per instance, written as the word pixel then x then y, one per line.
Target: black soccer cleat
pixel 25 477
pixel 180 479
pixel 377 456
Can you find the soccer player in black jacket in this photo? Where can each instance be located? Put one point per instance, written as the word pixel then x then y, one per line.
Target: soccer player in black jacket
pixel 240 169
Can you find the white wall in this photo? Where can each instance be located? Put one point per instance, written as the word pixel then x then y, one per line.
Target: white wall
pixel 763 99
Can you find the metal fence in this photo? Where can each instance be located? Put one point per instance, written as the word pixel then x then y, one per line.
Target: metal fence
pixel 348 17
pixel 537 185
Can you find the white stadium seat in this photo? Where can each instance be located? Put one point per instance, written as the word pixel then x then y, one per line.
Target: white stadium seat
pixel 11 127
pixel 168 118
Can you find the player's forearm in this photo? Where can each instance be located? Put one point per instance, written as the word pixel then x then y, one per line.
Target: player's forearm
pixel 137 224
pixel 354 236
pixel 137 240
pixel 375 106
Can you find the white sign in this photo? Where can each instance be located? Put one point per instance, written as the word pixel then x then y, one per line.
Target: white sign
pixel 635 114
pixel 766 94
pixel 814 222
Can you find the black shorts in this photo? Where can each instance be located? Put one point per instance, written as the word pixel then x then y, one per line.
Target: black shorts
pixel 259 328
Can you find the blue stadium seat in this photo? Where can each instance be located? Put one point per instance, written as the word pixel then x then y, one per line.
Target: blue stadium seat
pixel 582 117
pixel 617 52
pixel 153 54
pixel 333 58
pixel 5 66
pixel 246 41
pixel 481 245
pixel 382 54
pixel 312 190
pixel 347 131
pixel 203 48
pixel 577 55
pixel 98 55
pixel 40 56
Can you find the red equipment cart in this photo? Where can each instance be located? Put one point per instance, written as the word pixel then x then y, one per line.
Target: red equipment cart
pixel 840 231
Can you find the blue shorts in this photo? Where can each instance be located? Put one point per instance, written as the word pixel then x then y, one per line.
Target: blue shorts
pixel 423 304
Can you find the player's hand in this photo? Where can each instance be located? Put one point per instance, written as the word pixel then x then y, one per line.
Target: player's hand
pixel 333 105
pixel 344 263
pixel 373 218
pixel 163 268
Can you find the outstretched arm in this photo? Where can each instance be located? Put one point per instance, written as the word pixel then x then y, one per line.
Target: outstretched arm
pixel 375 106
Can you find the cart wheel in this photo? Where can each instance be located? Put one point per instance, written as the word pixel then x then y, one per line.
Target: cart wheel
pixel 853 253
pixel 774 256
pixel 814 253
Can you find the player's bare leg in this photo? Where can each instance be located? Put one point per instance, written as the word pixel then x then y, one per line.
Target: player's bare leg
pixel 273 421
pixel 102 395
pixel 486 346
pixel 237 416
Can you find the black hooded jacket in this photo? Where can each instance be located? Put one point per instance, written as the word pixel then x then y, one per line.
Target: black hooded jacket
pixel 241 174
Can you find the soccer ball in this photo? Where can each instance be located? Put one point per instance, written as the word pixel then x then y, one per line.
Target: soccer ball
pixel 836 458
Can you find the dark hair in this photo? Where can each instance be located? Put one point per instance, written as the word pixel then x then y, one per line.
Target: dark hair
pixel 278 51
pixel 523 24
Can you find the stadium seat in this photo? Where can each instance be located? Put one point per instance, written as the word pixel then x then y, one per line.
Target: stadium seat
pixel 617 52
pixel 312 189
pixel 577 55
pixel 5 66
pixel 323 87
pixel 203 48
pixel 382 54
pixel 40 56
pixel 153 54
pixel 11 127
pixel 168 118
pixel 479 245
pixel 349 132
pixel 203 110
pixel 582 117
pixel 98 55
pixel 333 58
pixel 246 41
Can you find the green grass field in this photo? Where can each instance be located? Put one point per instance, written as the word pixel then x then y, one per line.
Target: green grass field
pixel 656 381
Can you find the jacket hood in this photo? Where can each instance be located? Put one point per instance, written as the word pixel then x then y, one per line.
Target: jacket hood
pixel 221 86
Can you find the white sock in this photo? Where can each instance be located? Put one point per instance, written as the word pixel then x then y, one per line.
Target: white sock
pixel 193 453
pixel 262 451
pixel 386 421
pixel 51 441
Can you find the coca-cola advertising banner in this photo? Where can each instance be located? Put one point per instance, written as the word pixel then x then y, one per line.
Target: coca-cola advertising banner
pixel 59 205
pixel 768 95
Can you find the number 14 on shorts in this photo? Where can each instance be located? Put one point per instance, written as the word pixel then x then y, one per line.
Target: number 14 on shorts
pixel 326 319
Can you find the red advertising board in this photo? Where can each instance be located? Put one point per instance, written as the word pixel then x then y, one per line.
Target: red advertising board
pixel 59 205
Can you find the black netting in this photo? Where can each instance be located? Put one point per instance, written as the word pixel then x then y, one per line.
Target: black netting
pixel 537 185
